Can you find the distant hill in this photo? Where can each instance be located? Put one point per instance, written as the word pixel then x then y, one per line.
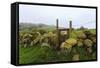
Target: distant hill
pixel 31 26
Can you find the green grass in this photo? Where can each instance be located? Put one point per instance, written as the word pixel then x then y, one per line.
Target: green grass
pixel 75 32
pixel 38 54
pixel 93 30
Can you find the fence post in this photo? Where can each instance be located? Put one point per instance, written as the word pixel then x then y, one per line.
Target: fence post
pixel 58 34
pixel 70 27
pixel 57 24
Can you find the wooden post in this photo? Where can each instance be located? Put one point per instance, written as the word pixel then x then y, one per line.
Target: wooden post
pixel 70 27
pixel 58 34
pixel 57 23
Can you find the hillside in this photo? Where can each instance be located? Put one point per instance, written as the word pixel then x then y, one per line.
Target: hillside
pixel 23 26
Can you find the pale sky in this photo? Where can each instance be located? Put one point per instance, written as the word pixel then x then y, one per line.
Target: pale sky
pixel 48 14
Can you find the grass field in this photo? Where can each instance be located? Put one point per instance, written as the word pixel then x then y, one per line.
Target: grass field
pixel 38 54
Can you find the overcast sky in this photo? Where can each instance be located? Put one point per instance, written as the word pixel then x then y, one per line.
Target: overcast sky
pixel 47 15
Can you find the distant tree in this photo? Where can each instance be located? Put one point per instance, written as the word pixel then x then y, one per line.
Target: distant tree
pixel 82 28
